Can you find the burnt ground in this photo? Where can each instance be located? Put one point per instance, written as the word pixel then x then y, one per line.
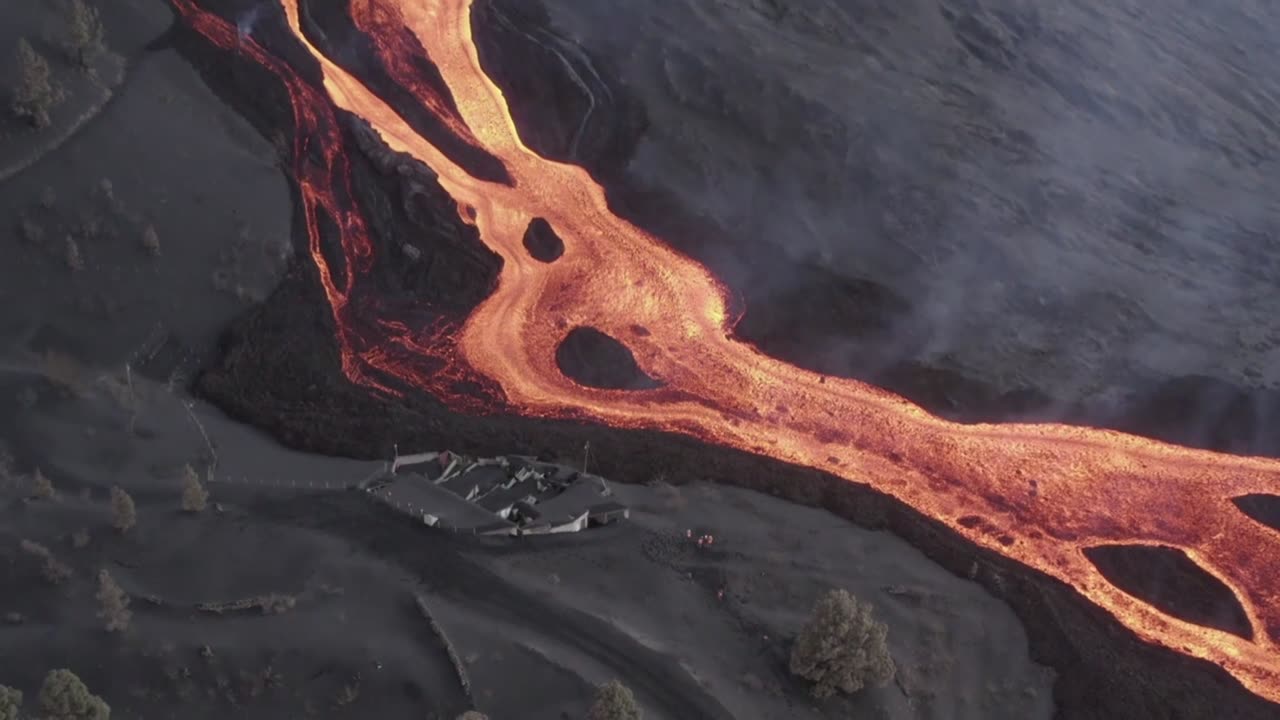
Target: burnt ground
pixel 278 371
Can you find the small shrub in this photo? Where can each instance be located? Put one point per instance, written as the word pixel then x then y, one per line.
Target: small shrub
pixel 34 94
pixel 63 696
pixel 74 258
pixel 54 571
pixel 84 33
pixel 277 604
pixel 473 715
pixel 151 241
pixel 10 703
pixel 64 372
pixel 30 231
pixel 842 647
pixel 43 487
pixel 349 693
pixel 194 496
pixel 614 701
pixel 80 538
pixel 113 602
pixel 124 514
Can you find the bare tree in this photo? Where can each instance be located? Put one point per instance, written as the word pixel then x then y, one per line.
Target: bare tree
pixel 123 513
pixel 194 496
pixel 84 32
pixel 35 93
pixel 63 696
pixel 10 703
pixel 614 701
pixel 842 647
pixel 114 603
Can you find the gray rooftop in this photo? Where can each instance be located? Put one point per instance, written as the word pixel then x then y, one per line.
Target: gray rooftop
pixel 412 489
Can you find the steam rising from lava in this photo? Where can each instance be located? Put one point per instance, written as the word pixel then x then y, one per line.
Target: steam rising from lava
pixel 1040 494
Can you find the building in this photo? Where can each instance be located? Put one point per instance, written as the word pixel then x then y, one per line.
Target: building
pixel 507 495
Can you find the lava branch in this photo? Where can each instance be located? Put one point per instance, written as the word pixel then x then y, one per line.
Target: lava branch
pixel 1039 494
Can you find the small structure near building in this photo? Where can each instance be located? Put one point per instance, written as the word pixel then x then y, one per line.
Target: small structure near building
pixel 505 495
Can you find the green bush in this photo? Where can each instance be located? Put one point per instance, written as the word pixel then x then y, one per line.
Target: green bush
pixel 614 701
pixel 10 703
pixel 842 647
pixel 64 697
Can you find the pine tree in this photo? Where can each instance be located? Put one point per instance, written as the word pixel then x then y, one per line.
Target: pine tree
pixel 35 93
pixel 194 496
pixel 114 603
pixel 123 513
pixel 84 32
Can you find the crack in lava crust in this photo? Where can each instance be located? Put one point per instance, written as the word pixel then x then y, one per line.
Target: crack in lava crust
pixel 1044 493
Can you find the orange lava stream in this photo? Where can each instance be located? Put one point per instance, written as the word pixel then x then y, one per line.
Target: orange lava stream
pixel 1039 494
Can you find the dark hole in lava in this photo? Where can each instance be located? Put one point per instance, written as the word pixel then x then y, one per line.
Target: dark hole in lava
pixel 594 359
pixel 1169 580
pixel 1261 507
pixel 542 242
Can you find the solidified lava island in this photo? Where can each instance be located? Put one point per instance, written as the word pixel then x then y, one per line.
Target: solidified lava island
pixel 475 270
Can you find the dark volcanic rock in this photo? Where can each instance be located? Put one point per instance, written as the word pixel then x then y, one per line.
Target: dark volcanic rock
pixel 1263 508
pixel 597 360
pixel 439 261
pixel 581 115
pixel 542 242
pixel 1171 581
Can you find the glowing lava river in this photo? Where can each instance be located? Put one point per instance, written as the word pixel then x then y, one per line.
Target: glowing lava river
pixel 1039 494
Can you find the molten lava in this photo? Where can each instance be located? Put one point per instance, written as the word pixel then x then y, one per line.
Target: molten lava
pixel 1039 494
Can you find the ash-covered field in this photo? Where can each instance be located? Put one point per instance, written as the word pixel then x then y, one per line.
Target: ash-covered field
pixel 289 595
pixel 974 206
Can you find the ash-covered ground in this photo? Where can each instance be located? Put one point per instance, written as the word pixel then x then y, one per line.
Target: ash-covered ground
pixel 290 595
pixel 915 111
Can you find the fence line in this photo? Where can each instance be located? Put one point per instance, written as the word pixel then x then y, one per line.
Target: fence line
pixel 458 667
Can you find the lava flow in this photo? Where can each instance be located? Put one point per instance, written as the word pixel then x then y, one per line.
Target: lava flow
pixel 1040 494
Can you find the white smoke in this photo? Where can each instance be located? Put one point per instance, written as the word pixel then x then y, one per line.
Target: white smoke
pixel 248 21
